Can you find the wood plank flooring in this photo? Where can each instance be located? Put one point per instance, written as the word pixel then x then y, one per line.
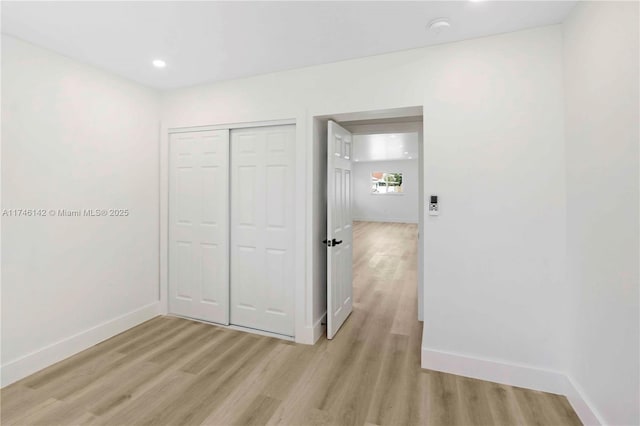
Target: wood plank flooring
pixel 171 371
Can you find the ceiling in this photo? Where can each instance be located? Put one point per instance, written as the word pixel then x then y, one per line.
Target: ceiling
pixel 213 41
pixel 385 147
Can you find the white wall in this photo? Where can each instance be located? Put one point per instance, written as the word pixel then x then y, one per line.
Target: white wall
pixel 385 208
pixel 495 290
pixel 602 138
pixel 494 153
pixel 74 137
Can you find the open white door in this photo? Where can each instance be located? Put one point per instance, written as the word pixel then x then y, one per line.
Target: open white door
pixel 339 228
pixel 199 225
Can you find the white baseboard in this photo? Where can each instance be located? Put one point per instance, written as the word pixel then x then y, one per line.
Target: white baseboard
pixel 386 220
pixel 519 375
pixel 55 352
pixel 582 405
pixel 319 328
pixel 493 371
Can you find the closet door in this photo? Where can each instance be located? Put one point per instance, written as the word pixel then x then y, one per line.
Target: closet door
pixel 262 228
pixel 199 225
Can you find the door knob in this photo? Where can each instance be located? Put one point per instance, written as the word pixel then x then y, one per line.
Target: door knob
pixel 335 242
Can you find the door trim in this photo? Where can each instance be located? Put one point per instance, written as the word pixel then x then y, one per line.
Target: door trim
pixel 398 115
pixel 232 126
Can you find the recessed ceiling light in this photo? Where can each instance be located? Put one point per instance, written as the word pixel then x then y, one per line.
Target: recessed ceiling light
pixel 355 159
pixel 410 158
pixel 159 63
pixel 406 152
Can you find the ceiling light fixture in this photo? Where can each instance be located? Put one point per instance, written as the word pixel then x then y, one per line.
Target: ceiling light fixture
pixel 159 63
pixel 439 25
pixel 406 152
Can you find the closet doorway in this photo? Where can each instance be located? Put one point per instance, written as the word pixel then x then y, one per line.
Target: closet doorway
pixel 231 226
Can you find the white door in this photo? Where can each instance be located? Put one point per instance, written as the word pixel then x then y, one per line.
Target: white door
pixel 262 228
pixel 199 225
pixel 339 228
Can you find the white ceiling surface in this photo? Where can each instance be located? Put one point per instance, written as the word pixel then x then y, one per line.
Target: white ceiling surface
pixel 390 146
pixel 213 41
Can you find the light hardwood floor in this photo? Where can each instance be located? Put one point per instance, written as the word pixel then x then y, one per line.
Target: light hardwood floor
pixel 171 371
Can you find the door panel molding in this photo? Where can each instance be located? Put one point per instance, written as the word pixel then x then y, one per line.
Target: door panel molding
pixel 263 228
pixel 339 228
pixel 199 225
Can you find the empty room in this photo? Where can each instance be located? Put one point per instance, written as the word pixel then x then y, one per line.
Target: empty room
pixel 320 213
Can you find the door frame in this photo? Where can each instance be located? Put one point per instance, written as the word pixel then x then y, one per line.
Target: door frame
pixel 164 169
pixel 406 127
pixel 318 128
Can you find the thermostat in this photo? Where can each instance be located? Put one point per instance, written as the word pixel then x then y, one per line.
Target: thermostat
pixel 434 210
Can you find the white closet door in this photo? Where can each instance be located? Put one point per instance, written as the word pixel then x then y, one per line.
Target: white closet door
pixel 199 225
pixel 262 228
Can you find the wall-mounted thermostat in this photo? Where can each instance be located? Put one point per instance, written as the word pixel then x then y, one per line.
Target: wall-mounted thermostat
pixel 434 210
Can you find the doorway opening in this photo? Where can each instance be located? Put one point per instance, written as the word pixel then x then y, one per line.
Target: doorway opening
pixel 376 280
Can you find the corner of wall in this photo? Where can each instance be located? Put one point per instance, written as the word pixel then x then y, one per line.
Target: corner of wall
pixel 519 375
pixel 56 352
pixel 582 405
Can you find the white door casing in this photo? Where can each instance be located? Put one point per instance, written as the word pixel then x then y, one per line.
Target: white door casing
pixel 262 228
pixel 339 228
pixel 199 225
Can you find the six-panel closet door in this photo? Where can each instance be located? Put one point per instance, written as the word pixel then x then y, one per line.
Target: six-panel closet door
pixel 262 228
pixel 199 225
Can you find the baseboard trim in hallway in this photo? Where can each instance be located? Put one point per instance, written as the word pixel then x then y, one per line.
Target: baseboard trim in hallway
pixel 55 352
pixel 385 220
pixel 522 376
